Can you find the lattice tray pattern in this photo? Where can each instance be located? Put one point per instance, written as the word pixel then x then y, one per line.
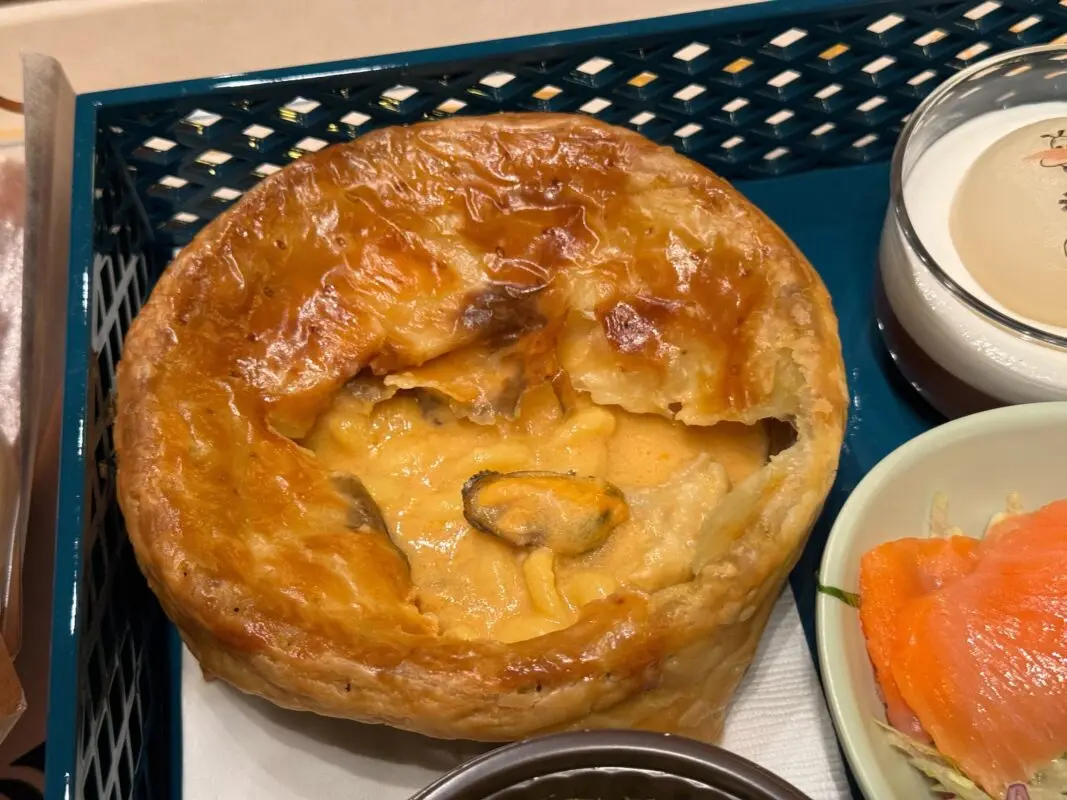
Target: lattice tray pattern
pixel 758 100
pixel 123 662
pixel 761 91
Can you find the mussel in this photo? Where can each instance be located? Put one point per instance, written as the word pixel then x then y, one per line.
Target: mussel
pixel 567 513
pixel 363 512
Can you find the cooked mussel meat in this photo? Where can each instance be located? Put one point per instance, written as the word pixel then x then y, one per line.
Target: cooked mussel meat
pixel 567 513
pixel 363 512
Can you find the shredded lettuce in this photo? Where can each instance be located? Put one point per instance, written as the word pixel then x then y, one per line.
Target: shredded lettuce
pixel 946 775
pixel 1048 784
pixel 1051 782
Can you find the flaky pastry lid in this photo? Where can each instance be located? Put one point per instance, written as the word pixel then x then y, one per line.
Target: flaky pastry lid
pixel 657 287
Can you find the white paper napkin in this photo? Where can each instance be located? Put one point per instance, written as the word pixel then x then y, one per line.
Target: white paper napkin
pixel 236 746
pixel 779 718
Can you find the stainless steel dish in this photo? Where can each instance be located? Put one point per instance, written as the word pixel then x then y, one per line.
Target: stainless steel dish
pixel 610 765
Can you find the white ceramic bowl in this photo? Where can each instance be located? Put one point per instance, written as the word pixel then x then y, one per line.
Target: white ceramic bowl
pixel 976 461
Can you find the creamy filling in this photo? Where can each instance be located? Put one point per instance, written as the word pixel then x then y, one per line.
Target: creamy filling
pixel 414 456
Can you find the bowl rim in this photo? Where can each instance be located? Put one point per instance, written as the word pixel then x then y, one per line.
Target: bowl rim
pixel 517 763
pixel 898 208
pixel 836 686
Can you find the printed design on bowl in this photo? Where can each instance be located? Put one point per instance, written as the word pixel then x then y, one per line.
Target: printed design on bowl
pixel 1055 155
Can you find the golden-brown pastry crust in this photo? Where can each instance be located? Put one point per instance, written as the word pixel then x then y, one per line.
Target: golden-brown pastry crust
pixel 667 293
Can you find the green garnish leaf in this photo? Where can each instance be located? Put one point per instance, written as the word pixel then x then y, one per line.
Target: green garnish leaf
pixel 848 598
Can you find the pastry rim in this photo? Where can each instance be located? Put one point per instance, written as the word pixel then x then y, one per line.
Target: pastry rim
pixel 477 689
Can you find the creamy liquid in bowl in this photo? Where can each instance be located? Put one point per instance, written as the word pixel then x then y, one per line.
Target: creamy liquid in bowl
pixel 995 362
pixel 937 178
pixel 1008 221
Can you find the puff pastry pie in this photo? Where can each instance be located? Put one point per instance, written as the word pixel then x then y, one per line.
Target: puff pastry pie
pixel 482 428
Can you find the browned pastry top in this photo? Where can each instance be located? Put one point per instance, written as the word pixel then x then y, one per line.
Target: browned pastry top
pixel 474 263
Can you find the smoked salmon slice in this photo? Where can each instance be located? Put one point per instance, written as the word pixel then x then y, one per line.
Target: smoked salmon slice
pixel 981 660
pixel 891 576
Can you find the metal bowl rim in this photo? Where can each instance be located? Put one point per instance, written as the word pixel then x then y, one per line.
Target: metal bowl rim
pixel 675 756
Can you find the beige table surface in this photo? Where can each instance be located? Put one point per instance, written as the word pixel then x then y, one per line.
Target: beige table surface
pixel 104 44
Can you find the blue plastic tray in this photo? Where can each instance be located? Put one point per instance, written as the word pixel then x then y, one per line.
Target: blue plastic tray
pixel 799 101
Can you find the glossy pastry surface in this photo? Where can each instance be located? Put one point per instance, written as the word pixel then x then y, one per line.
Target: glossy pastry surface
pixel 474 428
